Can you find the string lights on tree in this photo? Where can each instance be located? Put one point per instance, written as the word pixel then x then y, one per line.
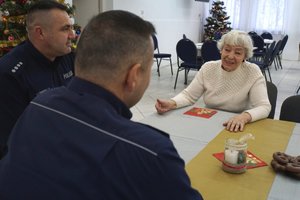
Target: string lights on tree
pixel 217 24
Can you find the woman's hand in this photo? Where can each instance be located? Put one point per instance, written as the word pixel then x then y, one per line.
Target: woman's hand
pixel 163 106
pixel 237 123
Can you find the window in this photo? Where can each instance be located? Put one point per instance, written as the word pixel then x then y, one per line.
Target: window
pixel 257 15
pixel 270 15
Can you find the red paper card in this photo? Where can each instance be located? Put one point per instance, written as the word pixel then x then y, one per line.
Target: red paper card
pixel 201 112
pixel 252 160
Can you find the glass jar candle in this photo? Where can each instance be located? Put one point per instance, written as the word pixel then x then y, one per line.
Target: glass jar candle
pixel 235 156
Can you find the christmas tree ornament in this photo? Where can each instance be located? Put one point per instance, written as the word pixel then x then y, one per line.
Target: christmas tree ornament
pixel 6 32
pixel 6 13
pixel 11 38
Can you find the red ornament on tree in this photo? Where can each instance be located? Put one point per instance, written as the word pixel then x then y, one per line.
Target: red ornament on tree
pixel 11 38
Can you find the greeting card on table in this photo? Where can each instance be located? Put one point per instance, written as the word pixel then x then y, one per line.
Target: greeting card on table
pixel 252 160
pixel 201 112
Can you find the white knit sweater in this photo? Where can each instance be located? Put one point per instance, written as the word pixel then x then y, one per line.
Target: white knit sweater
pixel 241 90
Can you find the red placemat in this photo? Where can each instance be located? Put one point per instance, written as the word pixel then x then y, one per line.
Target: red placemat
pixel 201 112
pixel 252 160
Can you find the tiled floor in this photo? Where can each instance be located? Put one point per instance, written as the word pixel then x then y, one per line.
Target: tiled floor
pixel 287 81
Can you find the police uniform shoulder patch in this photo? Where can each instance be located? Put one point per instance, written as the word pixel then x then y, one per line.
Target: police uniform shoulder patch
pixel 17 66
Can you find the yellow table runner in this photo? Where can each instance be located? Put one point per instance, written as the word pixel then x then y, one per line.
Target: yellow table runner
pixel 212 182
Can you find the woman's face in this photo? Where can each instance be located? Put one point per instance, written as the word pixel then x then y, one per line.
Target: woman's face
pixel 232 57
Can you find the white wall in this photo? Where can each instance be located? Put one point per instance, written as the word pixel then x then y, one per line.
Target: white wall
pixel 171 18
pixel 291 50
pixel 85 10
pixel 106 5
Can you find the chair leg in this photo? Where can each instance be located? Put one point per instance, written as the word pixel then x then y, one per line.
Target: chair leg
pixel 185 76
pixel 158 64
pixel 298 89
pixel 275 63
pixel 279 59
pixel 171 66
pixel 278 62
pixel 176 78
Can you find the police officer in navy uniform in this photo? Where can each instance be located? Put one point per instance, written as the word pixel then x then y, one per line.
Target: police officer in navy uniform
pixel 43 61
pixel 78 142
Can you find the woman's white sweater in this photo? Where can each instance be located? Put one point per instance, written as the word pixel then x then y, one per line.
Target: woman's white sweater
pixel 241 90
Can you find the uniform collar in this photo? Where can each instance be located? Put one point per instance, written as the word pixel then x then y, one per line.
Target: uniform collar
pixel 81 86
pixel 39 56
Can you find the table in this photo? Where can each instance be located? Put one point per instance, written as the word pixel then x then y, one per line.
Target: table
pixel 199 45
pixel 268 41
pixel 191 134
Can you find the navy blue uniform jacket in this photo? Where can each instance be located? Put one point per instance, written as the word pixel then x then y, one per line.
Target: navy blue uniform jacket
pixel 23 73
pixel 79 143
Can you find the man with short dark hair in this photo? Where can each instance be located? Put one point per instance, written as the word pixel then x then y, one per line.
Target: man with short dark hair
pixel 43 61
pixel 78 142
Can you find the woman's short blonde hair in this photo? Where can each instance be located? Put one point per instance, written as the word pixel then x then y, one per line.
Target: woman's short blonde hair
pixel 237 38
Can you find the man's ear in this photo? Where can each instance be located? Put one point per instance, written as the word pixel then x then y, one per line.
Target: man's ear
pixel 38 32
pixel 132 77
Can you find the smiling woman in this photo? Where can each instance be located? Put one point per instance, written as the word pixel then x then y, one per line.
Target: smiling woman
pixel 232 57
pixel 236 47
pixel 230 84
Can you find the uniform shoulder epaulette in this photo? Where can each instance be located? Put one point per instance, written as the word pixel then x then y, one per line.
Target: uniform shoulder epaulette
pixel 15 68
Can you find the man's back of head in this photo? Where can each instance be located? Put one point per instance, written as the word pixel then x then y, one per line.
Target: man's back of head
pixel 110 45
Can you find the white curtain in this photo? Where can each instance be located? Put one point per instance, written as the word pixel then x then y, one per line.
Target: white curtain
pixel 257 15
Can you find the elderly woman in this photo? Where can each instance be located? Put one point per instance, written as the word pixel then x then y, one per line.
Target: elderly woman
pixel 231 84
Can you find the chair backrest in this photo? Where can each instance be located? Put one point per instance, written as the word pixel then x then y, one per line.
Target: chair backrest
pixel 155 43
pixel 267 35
pixel 258 42
pixel 210 51
pixel 290 109
pixel 275 52
pixel 283 43
pixel 272 94
pixel 269 52
pixel 187 51
pixel 252 33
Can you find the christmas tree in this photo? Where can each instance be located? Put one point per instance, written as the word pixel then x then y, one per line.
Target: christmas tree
pixel 12 22
pixel 218 23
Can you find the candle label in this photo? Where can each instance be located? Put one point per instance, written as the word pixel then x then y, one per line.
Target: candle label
pixel 242 157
